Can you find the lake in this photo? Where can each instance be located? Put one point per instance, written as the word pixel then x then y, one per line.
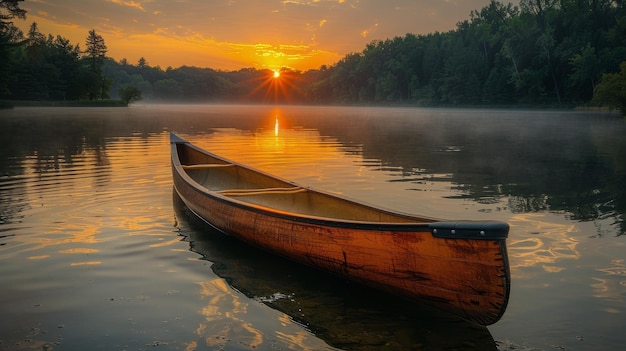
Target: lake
pixel 97 252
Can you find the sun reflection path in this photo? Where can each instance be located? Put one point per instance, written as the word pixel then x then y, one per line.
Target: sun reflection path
pixel 288 152
pixel 276 126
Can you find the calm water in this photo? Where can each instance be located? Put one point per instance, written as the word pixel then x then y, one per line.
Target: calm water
pixel 97 253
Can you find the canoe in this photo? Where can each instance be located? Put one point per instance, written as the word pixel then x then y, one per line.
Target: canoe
pixel 460 267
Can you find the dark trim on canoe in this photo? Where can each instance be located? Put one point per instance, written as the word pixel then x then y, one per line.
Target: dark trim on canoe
pixel 470 230
pixel 175 139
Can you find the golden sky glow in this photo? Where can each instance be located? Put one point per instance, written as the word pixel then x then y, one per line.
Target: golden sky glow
pixel 234 34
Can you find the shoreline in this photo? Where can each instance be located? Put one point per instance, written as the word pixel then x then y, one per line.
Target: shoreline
pixel 8 104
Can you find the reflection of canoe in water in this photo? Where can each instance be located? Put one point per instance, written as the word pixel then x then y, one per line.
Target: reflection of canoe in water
pixel 344 315
pixel 459 267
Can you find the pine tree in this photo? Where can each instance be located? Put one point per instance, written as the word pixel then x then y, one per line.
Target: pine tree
pixel 12 9
pixel 9 9
pixel 96 50
pixel 95 54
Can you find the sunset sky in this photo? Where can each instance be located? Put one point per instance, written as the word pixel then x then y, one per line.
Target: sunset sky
pixel 234 34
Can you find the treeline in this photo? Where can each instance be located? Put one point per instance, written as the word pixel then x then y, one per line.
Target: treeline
pixel 39 67
pixel 192 84
pixel 542 52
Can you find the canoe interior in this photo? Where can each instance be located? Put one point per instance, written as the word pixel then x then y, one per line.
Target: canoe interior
pixel 243 184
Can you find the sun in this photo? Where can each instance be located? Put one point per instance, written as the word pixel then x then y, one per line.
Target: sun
pixel 275 85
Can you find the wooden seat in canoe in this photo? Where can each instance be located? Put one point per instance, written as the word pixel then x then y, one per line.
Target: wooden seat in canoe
pixel 207 165
pixel 264 191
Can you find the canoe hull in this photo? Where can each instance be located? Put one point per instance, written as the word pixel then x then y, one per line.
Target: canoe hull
pixel 467 277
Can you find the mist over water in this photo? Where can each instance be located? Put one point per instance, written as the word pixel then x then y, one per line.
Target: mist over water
pixel 96 252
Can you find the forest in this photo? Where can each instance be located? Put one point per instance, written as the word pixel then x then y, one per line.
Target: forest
pixel 554 53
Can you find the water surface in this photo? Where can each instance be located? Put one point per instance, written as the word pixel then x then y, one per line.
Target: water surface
pixel 96 252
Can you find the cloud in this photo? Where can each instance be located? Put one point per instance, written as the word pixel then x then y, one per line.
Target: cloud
pixel 367 32
pixel 133 4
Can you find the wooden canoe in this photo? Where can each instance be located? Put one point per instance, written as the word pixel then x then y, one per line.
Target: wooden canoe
pixel 457 266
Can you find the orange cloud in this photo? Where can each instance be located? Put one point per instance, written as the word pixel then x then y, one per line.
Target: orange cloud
pixel 366 32
pixel 133 4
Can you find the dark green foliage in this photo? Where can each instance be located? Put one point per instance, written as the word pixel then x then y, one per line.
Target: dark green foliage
pixel 130 94
pixel 546 53
pixel 43 68
pixel 9 59
pixel 611 91
pixel 10 38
